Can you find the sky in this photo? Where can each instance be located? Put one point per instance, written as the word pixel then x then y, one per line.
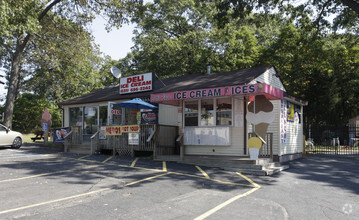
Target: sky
pixel 116 44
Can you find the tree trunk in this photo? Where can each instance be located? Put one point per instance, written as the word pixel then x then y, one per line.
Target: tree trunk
pixel 14 79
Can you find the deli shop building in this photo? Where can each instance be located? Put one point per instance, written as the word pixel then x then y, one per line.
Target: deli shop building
pixel 242 114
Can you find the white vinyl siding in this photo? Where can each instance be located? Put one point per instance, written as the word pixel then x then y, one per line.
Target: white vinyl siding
pixel 294 140
pixel 273 128
pixel 269 77
pixel 167 115
pixel 235 149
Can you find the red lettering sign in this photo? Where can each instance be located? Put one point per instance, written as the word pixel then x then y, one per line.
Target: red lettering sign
pixel 138 83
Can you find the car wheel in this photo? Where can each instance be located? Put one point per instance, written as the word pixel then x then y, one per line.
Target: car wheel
pixel 17 143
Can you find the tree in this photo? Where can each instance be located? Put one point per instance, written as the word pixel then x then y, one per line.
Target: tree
pixel 21 21
pixel 314 58
pixel 178 37
pixel 62 61
pixel 344 11
pixel 28 113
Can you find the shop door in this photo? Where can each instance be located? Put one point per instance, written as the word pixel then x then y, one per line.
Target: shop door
pixel 90 122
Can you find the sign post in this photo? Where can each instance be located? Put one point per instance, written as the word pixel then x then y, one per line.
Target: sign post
pixel 44 129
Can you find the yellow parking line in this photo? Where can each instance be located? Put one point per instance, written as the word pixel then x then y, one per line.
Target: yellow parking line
pixel 83 157
pixel 229 201
pixel 222 205
pixel 214 180
pixel 148 178
pixel 177 173
pixel 164 166
pixel 203 173
pixel 249 180
pixel 47 174
pixel 134 162
pixel 107 159
pixel 52 201
pixel 75 196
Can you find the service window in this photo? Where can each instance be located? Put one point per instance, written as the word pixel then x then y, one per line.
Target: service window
pixel 191 113
pixel 224 111
pixel 207 113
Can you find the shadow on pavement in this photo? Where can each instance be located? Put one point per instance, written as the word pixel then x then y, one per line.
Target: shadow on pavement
pixel 336 171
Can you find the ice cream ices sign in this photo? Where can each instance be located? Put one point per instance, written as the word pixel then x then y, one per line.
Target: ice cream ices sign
pixel 217 92
pixel 138 83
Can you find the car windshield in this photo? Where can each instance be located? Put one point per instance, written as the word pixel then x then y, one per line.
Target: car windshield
pixel 2 128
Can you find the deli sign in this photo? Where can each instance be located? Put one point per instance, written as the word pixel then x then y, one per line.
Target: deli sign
pixel 137 83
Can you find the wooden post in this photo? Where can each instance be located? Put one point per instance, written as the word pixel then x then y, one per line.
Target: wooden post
pixel 181 129
pixel 46 136
pixel 155 142
pixel 66 146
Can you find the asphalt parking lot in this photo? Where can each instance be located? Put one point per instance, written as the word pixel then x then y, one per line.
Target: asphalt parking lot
pixel 39 183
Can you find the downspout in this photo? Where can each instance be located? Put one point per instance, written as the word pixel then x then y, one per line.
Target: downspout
pixel 63 115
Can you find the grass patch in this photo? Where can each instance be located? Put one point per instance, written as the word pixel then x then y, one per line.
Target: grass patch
pixel 27 137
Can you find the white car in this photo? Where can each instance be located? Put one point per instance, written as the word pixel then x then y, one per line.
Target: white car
pixel 10 138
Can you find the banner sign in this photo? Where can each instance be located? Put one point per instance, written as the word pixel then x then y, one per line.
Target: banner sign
pixel 290 112
pixel 44 126
pixel 137 83
pixel 60 133
pixel 149 117
pixel 119 129
pixel 133 138
pixel 259 88
pixel 102 134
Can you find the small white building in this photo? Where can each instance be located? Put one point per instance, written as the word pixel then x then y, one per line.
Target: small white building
pixel 208 114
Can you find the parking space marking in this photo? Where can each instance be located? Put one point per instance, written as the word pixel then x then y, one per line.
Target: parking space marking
pixel 214 180
pixel 229 201
pixel 176 173
pixel 164 166
pixel 134 162
pixel 148 178
pixel 203 173
pixel 164 169
pixel 47 174
pixel 80 158
pixel 249 180
pixel 77 196
pixel 224 204
pixel 107 159
pixel 52 201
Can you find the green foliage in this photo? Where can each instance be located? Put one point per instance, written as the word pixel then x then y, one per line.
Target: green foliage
pixel 320 69
pixel 64 61
pixel 28 113
pixel 177 37
pixel 46 43
pixel 317 58
pixel 312 44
